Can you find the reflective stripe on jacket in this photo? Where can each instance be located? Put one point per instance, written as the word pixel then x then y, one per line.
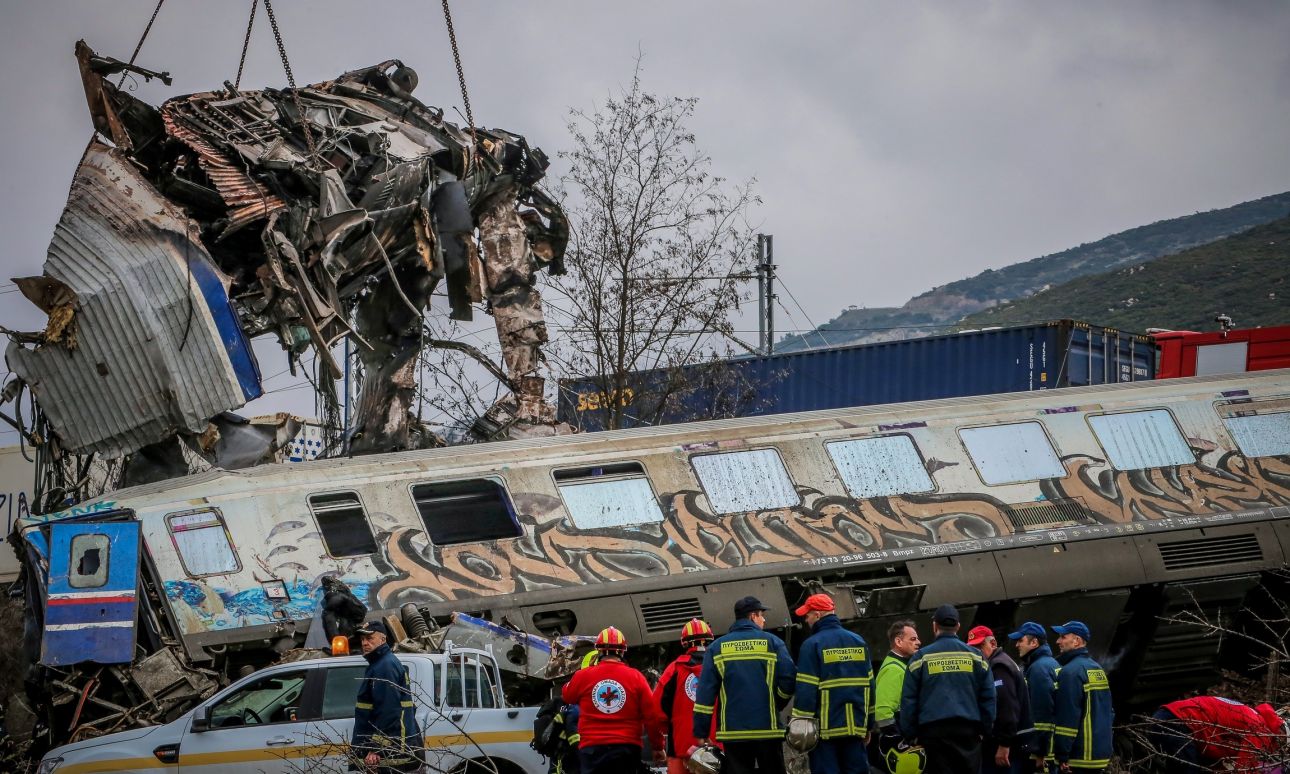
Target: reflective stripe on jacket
pixel 748 671
pixel 886 689
pixel 833 680
pixel 1041 682
pixel 947 681
pixel 385 720
pixel 1082 712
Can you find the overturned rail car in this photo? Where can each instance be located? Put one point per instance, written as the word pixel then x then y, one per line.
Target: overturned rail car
pixel 1118 505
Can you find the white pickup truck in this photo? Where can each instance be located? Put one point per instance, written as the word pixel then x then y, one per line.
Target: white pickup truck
pixel 298 718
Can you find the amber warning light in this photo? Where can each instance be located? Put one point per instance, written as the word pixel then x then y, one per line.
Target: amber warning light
pixel 340 645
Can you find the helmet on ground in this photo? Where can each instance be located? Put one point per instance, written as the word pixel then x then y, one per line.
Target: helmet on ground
pixel 610 640
pixel 705 760
pixel 803 734
pixel 697 630
pixel 903 758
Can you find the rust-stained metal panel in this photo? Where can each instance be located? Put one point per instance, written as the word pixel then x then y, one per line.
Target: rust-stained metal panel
pixel 157 347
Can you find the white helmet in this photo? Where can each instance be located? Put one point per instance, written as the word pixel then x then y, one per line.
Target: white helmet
pixel 803 734
pixel 705 760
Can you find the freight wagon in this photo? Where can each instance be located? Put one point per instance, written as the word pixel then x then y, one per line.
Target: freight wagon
pixel 1125 505
pixel 1188 353
pixel 1063 353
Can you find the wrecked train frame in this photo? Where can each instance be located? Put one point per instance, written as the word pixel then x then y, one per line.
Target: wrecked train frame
pixel 315 214
pixel 1148 499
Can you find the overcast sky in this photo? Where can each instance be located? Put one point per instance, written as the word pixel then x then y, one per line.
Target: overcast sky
pixel 896 145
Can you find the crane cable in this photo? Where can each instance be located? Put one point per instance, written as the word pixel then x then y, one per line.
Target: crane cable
pixel 461 78
pixel 139 46
pixel 246 44
pixel 291 82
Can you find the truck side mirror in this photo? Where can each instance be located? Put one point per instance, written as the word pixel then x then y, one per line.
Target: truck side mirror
pixel 201 719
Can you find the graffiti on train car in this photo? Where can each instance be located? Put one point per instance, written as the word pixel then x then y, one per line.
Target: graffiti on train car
pixel 690 538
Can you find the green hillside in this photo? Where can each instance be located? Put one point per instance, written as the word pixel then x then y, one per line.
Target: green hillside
pixel 925 314
pixel 1246 276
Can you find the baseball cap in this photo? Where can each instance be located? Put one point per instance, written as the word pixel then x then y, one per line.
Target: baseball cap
pixel 1073 627
pixel 1029 629
pixel 978 635
pixel 819 602
pixel 748 605
pixel 373 627
pixel 947 615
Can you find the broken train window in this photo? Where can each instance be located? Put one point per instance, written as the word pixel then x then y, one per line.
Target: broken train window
pixel 1135 440
pixel 882 466
pixel 202 542
pixel 466 511
pixel 602 496
pixel 1012 453
pixel 88 568
pixel 343 524
pixel 744 481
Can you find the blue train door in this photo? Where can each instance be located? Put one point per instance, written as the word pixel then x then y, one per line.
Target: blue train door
pixel 91 603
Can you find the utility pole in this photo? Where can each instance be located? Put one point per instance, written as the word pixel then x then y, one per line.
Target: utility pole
pixel 766 293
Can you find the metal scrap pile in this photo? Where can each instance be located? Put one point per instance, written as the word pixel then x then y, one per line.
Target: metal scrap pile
pixel 316 213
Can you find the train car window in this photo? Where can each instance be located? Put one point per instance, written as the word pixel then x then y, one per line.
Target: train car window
pixel 1010 454
pixel 202 542
pixel 343 524
pixel 466 511
pixel 878 467
pixel 89 564
pixel 1261 435
pixel 743 481
pixel 608 496
pixel 1135 440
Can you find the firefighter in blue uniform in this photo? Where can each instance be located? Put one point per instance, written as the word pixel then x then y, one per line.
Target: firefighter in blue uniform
pixel 947 702
pixel 833 681
pixel 751 673
pixel 1041 682
pixel 386 737
pixel 1082 713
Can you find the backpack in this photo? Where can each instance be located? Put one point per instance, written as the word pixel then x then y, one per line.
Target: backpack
pixel 546 732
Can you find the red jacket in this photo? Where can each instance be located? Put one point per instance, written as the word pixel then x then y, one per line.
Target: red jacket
pixel 1226 730
pixel 675 695
pixel 614 703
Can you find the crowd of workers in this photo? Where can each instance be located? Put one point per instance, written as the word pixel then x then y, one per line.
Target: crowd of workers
pixel 952 705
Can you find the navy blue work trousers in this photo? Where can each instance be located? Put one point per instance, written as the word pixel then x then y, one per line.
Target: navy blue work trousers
pixel 844 755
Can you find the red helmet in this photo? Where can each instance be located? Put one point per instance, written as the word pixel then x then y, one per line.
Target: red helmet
pixel 611 640
pixel 697 630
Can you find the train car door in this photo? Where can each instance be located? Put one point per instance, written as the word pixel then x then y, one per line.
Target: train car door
pixel 91 600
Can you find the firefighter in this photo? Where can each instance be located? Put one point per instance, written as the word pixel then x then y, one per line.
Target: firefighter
pixel 676 690
pixel 833 681
pixel 1210 733
pixel 1041 684
pixel 1082 713
pixel 947 702
pixel 615 705
pixel 1003 750
pixel 753 673
pixel 386 737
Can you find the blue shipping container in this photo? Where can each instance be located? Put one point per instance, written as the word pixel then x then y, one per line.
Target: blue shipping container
pixel 1062 353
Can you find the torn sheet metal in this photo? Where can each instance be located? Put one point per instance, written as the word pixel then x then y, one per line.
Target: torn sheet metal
pixel 153 346
pixel 531 655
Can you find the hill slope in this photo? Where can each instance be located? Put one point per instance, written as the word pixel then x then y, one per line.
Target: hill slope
pixel 933 311
pixel 1246 276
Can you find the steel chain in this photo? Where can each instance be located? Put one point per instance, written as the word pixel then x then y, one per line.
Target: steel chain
pixel 139 46
pixel 291 82
pixel 246 45
pixel 461 77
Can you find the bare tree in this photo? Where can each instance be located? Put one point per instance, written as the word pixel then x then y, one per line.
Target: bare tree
pixel 659 251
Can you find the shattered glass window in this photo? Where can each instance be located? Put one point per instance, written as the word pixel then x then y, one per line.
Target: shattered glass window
pixel 1141 439
pixel 608 496
pixel 202 543
pixel 1261 435
pixel 89 566
pixel 466 511
pixel 1008 454
pixel 878 467
pixel 739 482
pixel 343 524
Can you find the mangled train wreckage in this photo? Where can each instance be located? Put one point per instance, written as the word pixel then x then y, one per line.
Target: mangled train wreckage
pixel 1128 506
pixel 330 211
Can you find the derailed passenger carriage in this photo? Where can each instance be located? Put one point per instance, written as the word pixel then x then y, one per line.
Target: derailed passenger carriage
pixel 1120 506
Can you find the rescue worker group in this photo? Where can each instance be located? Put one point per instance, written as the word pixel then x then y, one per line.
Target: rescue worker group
pixel 947 706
